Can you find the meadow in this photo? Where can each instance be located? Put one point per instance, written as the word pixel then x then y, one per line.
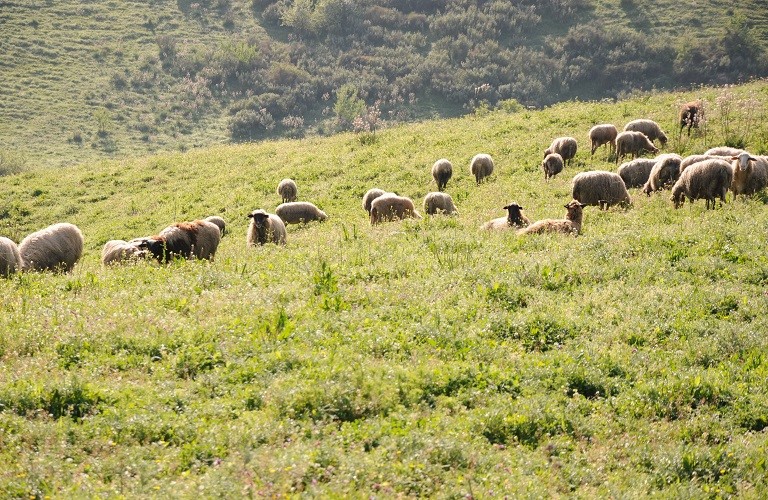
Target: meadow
pixel 415 358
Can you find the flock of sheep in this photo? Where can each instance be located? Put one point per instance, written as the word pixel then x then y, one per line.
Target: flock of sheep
pixel 705 176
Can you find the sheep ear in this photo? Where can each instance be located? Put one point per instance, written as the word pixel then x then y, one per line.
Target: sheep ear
pixel 249 216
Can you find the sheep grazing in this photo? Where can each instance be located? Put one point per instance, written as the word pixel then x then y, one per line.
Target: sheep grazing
pixel 442 171
pixel 120 251
pixel 664 173
pixel 750 174
pixel 514 219
pixel 724 151
pixel 603 134
pixel 10 258
pixel 369 196
pixel 265 228
pixel 564 146
pixel 197 239
pixel 635 173
pixel 481 166
pixel 390 206
pixel 690 115
pixel 55 248
pixel 708 179
pixel 570 225
pixel 633 143
pixel 215 219
pixel 552 165
pixel 287 190
pixel 690 160
pixel 599 188
pixel 650 128
pixel 296 212
pixel 439 203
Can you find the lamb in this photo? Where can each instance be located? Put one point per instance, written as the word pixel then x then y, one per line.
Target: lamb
pixel 442 171
pixel 750 174
pixel 706 179
pixel 691 159
pixel 665 172
pixel 599 188
pixel 219 223
pixel 436 203
pixel 197 239
pixel 119 251
pixel 723 151
pixel 55 248
pixel 287 190
pixel 265 228
pixel 603 134
pixel 481 166
pixel 564 146
pixel 635 173
pixel 690 115
pixel 10 258
pixel 369 196
pixel 296 212
pixel 552 165
pixel 570 225
pixel 633 143
pixel 650 128
pixel 390 206
pixel 514 219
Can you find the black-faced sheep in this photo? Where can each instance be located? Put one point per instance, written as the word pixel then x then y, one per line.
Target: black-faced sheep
pixel 650 128
pixel 442 170
pixel 265 228
pixel 481 166
pixel 369 196
pixel 220 223
pixel 197 239
pixel 296 212
pixel 599 188
pixel 570 225
pixel 604 133
pixel 287 190
pixel 120 251
pixel 564 146
pixel 55 248
pixel 664 173
pixel 552 165
pixel 514 219
pixel 439 203
pixel 723 151
pixel 635 173
pixel 10 259
pixel 750 174
pixel 708 179
pixel 390 206
pixel 690 115
pixel 633 143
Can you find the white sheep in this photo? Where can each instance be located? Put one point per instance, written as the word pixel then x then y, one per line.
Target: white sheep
pixel 604 133
pixel 296 212
pixel 120 251
pixel 750 174
pixel 570 225
pixel 650 128
pixel 55 248
pixel 691 159
pixel 723 151
pixel 481 166
pixel 564 146
pixel 708 179
pixel 599 188
pixel 390 206
pixel 633 143
pixel 635 173
pixel 10 258
pixel 552 165
pixel 665 172
pixel 690 115
pixel 220 223
pixel 265 228
pixel 442 171
pixel 437 203
pixel 514 219
pixel 369 196
pixel 287 190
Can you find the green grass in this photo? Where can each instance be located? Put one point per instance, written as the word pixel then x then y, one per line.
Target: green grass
pixel 416 358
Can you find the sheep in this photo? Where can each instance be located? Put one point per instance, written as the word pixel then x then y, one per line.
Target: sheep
pixel 650 128
pixel 442 171
pixel 55 248
pixel 390 206
pixel 633 143
pixel 603 134
pixel 552 165
pixel 691 159
pixel 10 258
pixel 287 190
pixel 119 251
pixel 197 239
pixel 750 174
pixel 635 173
pixel 570 225
pixel 723 151
pixel 564 146
pixel 436 202
pixel 706 179
pixel 219 223
pixel 690 115
pixel 369 196
pixel 264 228
pixel 599 188
pixel 665 172
pixel 514 219
pixel 481 166
pixel 296 212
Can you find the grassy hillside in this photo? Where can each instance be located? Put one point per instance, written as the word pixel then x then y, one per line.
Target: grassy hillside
pixel 416 358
